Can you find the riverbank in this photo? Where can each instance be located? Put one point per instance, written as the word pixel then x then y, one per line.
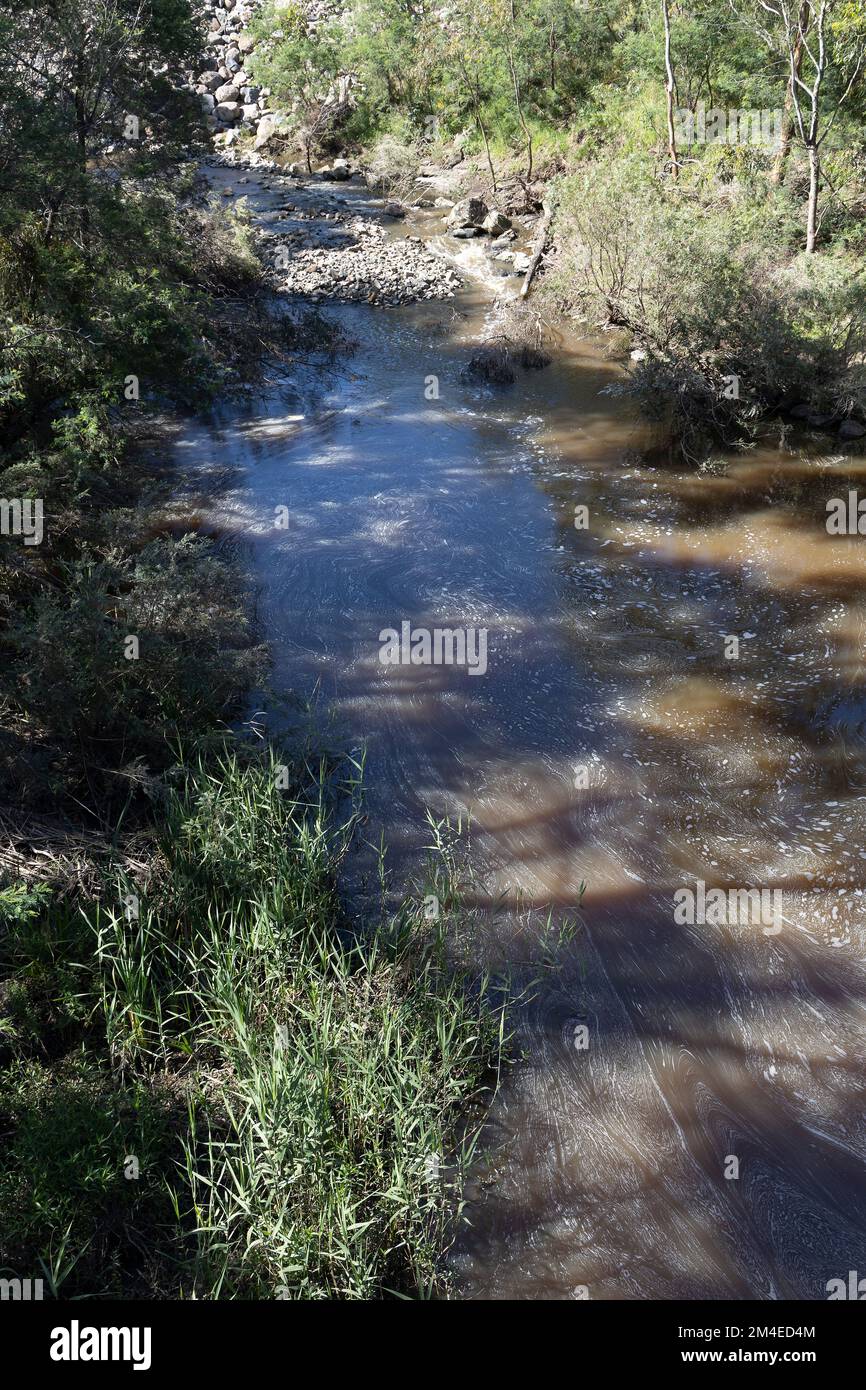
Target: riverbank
pixel 213 1083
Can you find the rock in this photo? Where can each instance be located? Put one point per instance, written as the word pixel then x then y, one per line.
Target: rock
pixel 337 171
pixel 246 43
pixel 466 233
pixel 228 111
pixel 207 103
pixel 469 212
pixel 211 80
pixel 249 111
pixel 394 210
pixel 228 92
pixel 265 131
pixel 522 262
pixel 495 223
pixel 851 429
pixel 250 94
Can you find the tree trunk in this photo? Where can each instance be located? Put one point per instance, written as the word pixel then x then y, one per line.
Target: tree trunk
pixel 483 130
pixel 669 91
pixel 812 210
pixel 778 175
pixel 524 127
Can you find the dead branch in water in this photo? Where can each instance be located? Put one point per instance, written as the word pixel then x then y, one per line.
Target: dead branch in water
pixel 540 244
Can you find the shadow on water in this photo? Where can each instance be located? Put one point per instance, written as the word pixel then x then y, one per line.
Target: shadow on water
pixel 610 741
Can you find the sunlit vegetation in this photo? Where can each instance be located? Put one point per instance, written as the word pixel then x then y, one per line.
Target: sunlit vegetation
pixel 706 163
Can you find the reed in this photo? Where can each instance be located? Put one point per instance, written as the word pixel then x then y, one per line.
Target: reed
pixel 325 1070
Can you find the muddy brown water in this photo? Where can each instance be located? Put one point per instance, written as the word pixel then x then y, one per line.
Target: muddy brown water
pixel 610 742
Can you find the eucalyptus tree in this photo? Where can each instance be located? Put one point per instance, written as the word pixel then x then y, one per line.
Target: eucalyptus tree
pixel 823 44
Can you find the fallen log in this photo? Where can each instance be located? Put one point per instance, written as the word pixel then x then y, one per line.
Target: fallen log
pixel 540 244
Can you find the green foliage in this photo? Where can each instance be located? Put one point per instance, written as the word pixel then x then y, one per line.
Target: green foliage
pixel 292 1084
pixel 100 709
pixel 704 305
pixel 69 1214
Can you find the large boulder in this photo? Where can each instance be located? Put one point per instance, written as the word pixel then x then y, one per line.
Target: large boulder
pixel 469 212
pixel 266 129
pixel 227 92
pixel 228 111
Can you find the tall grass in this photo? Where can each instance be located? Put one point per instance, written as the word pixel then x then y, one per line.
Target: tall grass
pixel 320 1074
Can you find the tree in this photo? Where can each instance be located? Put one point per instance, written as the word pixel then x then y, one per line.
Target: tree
pixel 80 75
pixel 824 45
pixel 778 173
pixel 303 68
pixel 670 88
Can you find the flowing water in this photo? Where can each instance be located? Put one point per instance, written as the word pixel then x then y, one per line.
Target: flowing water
pixel 613 741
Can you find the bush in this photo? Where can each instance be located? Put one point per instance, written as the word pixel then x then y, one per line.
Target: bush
pixel 393 166
pixel 726 333
pixel 101 709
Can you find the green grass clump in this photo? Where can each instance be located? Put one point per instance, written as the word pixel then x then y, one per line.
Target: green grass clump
pixel 292 1090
